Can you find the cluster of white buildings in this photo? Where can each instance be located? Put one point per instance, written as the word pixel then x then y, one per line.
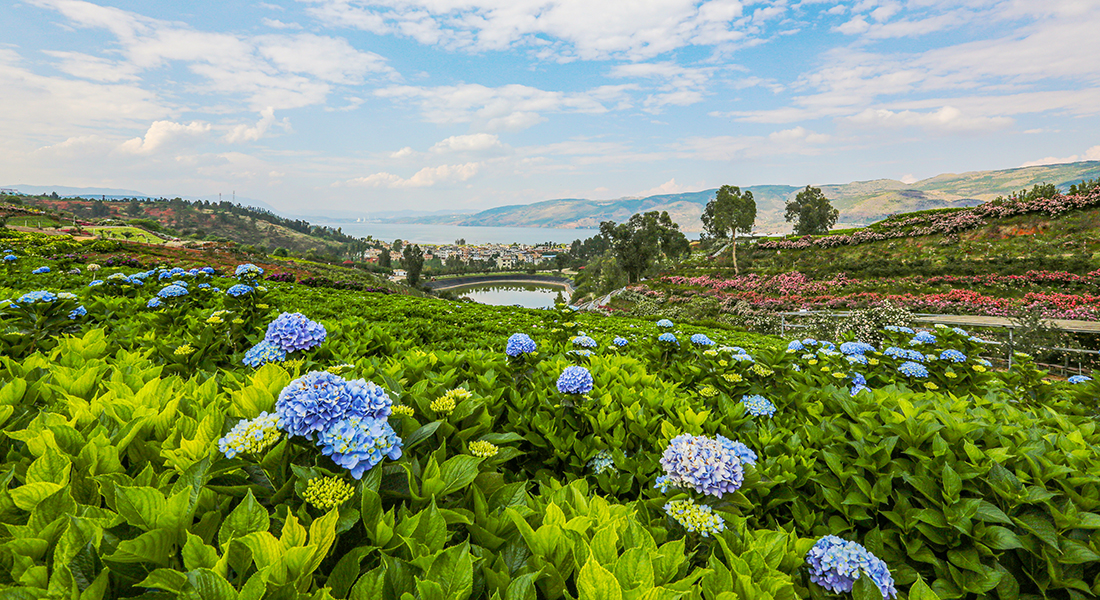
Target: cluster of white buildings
pixel 506 256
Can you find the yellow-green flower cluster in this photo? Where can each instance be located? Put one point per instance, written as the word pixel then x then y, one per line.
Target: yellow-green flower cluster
pixel 326 493
pixel 184 350
pixel 733 378
pixel 401 410
pixel 708 391
pixel 710 353
pixel 251 436
pixel 340 369
pixel 216 317
pixel 446 403
pixel 761 370
pixel 696 518
pixel 483 449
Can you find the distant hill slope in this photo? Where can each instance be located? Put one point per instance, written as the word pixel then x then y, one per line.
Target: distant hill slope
pixel 860 202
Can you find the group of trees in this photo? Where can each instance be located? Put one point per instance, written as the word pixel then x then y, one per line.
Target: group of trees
pixel 733 211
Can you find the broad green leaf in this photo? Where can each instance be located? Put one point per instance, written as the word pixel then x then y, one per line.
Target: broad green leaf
pixel 597 583
pixel 247 517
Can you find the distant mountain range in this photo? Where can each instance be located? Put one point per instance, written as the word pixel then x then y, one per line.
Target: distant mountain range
pixel 860 202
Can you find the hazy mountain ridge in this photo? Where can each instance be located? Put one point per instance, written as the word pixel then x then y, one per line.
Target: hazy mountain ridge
pixel 860 202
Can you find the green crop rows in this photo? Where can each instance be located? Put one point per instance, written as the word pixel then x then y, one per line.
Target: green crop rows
pixel 968 482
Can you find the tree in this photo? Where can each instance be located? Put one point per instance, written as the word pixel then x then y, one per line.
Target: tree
pixel 811 212
pixel 460 242
pixel 396 247
pixel 413 261
pixel 729 213
pixel 643 239
pixel 281 252
pixel 384 259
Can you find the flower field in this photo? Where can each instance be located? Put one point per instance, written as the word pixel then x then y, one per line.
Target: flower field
pixel 189 431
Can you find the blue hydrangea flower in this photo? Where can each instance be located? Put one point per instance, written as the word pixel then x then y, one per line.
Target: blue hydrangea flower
pixel 758 406
pixel 359 443
pixel 77 312
pixel 238 290
pixel 318 399
pixel 913 369
pixel 668 338
pixel 575 380
pixel 41 270
pixel 743 452
pixel 1079 379
pixel 959 331
pixel 621 342
pixel 263 353
pixel 985 363
pixel 180 282
pixel 163 274
pixel 851 348
pixel 700 339
pixel 977 340
pixel 11 258
pixel 836 564
pixel 38 296
pixel 827 346
pixel 708 466
pixel 153 303
pixel 204 286
pixel 95 283
pixel 809 342
pixel 293 331
pixel 795 346
pixel 742 357
pixel 583 341
pixel 664 323
pixel 923 337
pixel 859 383
pixel 896 329
pixel 172 291
pixel 953 356
pixel 207 270
pixel 857 359
pixel 248 270
pixel 520 343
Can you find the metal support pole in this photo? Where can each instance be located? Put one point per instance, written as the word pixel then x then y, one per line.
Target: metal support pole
pixel 783 324
pixel 1011 347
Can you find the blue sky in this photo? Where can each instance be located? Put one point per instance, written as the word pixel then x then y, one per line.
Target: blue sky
pixel 363 105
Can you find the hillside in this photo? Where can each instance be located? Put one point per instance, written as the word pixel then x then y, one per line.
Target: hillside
pixel 201 221
pixel 860 202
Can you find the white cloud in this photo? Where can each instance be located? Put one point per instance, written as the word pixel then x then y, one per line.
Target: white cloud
pixel 507 108
pixel 277 24
pixel 1090 154
pixel 668 187
pixel 682 86
pixel 279 70
pixel 94 68
pixel 562 29
pixel 477 142
pixel 164 134
pixel 908 178
pixel 947 119
pixel 251 133
pixel 426 177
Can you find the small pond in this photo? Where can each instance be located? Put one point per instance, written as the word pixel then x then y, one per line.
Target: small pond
pixel 527 295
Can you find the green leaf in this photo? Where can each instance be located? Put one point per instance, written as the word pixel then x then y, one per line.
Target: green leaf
pixel 522 587
pixel 28 496
pixel 168 580
pixel 205 584
pixel 952 483
pixel 247 517
pixel 597 583
pixel 197 555
pixel 140 506
pixel 459 472
pixel 865 589
pixel 51 467
pixel 155 546
pixel 1076 553
pixel 991 514
pixel 1000 538
pixel 421 434
pixel 921 591
pixel 453 571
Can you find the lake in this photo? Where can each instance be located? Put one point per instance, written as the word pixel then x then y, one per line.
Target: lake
pixel 447 234
pixel 527 295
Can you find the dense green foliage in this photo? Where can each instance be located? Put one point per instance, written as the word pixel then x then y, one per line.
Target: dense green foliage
pixel 731 212
pixel 811 212
pixel 643 239
pixel 969 483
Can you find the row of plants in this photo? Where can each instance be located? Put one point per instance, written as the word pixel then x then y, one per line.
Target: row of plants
pixel 287 442
pixel 948 222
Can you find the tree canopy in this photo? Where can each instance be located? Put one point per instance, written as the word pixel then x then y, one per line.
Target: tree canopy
pixel 811 212
pixel 644 239
pixel 412 259
pixel 729 213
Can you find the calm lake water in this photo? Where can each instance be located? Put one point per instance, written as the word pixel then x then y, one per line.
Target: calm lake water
pixel 447 234
pixel 525 295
